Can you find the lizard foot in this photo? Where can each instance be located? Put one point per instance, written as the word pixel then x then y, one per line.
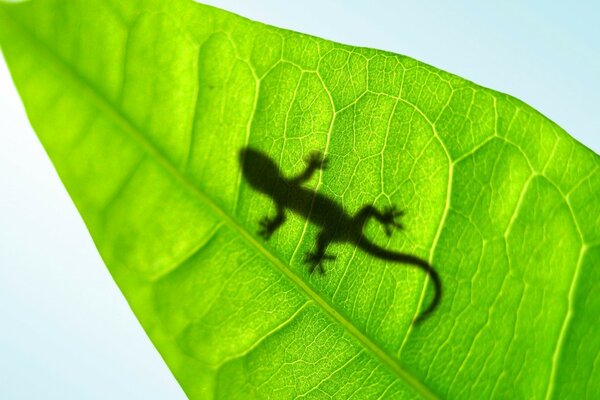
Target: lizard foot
pixel 316 160
pixel 389 219
pixel 267 227
pixel 316 261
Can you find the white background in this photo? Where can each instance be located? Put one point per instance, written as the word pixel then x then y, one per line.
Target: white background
pixel 65 329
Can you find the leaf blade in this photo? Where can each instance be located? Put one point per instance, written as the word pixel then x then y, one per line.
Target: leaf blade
pixel 191 180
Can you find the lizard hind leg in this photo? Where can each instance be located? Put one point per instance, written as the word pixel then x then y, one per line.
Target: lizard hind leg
pixel 388 218
pixel 316 259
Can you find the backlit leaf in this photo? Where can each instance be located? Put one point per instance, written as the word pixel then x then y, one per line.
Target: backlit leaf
pixel 143 107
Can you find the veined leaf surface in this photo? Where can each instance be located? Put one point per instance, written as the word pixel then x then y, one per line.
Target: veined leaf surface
pixel 143 107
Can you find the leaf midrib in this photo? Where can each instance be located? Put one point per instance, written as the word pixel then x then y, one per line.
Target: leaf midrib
pixel 122 121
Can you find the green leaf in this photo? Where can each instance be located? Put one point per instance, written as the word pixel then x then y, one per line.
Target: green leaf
pixel 143 107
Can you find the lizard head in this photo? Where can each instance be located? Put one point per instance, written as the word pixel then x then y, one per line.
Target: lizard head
pixel 258 169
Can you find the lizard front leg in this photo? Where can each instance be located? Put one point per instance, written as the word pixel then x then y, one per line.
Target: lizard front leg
pixel 316 259
pixel 314 161
pixel 269 225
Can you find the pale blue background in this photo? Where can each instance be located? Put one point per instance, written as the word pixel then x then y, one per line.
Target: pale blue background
pixel 65 330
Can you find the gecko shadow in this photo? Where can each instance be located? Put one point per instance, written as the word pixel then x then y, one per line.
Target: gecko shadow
pixel 264 176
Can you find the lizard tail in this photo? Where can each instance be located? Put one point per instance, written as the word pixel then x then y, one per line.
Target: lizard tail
pixel 385 254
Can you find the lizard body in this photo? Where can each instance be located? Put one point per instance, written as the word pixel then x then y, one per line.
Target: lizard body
pixel 336 225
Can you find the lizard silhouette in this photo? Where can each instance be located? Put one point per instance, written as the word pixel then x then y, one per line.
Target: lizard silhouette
pixel 263 174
